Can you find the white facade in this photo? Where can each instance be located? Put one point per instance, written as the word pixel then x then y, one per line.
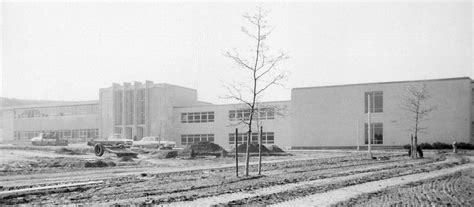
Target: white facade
pixel 222 125
pixel 315 117
pixel 335 115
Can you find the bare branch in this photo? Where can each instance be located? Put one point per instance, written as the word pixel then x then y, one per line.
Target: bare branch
pixel 272 82
pixel 238 60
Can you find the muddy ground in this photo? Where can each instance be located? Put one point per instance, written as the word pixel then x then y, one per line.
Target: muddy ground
pixel 204 180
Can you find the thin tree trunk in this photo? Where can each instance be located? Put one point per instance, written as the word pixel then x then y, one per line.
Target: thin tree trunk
pixel 252 108
pixel 247 156
pixel 260 152
pixel 369 131
pixel 236 154
pixel 416 146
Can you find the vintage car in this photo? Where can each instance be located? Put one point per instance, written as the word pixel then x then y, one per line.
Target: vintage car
pixel 48 139
pixel 154 142
pixel 114 140
pixel 115 143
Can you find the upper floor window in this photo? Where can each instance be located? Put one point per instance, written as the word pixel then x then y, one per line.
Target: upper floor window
pixel 376 101
pixel 244 114
pixel 56 111
pixel 197 117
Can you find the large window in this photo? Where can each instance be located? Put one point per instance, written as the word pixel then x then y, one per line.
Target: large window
pixel 376 101
pixel 267 138
pixel 56 111
pixel 187 139
pixel 62 134
pixel 376 133
pixel 244 114
pixel 197 117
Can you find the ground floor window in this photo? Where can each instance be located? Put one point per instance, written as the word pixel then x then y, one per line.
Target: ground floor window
pixel 376 133
pixel 61 134
pixel 267 138
pixel 188 139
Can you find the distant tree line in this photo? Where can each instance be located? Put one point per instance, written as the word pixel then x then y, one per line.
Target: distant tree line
pixel 440 145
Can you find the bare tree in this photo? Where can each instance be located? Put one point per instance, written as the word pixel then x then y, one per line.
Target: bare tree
pixel 414 103
pixel 261 66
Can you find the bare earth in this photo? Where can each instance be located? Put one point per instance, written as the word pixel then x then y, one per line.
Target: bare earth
pixel 296 180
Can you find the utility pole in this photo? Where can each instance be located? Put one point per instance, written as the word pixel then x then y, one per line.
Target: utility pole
pixel 369 137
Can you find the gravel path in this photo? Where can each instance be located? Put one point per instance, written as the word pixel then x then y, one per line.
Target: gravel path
pixel 451 190
pixel 343 194
pixel 358 173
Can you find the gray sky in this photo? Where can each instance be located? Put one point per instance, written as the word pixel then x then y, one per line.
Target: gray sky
pixel 67 51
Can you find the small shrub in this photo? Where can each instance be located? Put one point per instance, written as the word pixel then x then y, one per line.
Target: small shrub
pixel 440 145
pixel 462 145
pixel 407 146
pixel 425 145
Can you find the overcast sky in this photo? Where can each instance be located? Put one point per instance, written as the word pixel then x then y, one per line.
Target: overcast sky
pixel 67 51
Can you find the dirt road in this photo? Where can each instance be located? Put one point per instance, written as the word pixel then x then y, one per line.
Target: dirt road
pixel 212 181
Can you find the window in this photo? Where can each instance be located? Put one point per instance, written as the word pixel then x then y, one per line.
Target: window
pixel 376 133
pixel 267 138
pixel 244 114
pixel 62 134
pixel 376 101
pixel 188 139
pixel 197 117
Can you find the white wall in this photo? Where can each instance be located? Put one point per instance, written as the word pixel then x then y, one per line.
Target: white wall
pixel 222 126
pixel 332 116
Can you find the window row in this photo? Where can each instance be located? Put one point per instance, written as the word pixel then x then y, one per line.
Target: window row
pixel 61 134
pixel 376 101
pixel 244 114
pixel 197 117
pixel 188 139
pixel 376 133
pixel 267 138
pixel 56 111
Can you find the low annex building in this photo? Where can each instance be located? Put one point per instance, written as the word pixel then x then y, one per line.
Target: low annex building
pixel 315 117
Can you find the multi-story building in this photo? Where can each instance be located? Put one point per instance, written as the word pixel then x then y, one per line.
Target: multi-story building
pixel 76 121
pixel 337 115
pixel 315 117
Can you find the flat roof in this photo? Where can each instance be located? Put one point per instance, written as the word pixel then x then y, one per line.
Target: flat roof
pixel 217 105
pixel 155 85
pixel 389 82
pixel 75 103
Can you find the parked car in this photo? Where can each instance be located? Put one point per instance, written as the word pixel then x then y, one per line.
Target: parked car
pixel 112 140
pixel 154 142
pixel 48 139
pixel 115 143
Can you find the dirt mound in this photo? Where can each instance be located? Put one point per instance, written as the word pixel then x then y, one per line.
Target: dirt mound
pixel 275 149
pixel 205 147
pixel 165 154
pixel 99 163
pixel 67 151
pixel 252 148
pixel 126 159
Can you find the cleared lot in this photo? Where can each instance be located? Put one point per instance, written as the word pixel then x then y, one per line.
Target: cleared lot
pixel 200 181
